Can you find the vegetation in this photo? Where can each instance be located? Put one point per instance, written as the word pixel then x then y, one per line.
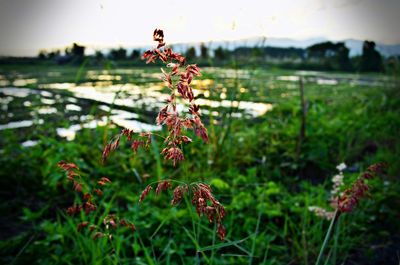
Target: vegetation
pixel 260 163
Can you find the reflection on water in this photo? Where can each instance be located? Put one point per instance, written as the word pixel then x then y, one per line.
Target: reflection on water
pixel 29 143
pixel 73 107
pixel 129 120
pixel 118 117
pixel 323 81
pixel 71 131
pixel 19 124
pixel 134 124
pixel 291 78
pixel 151 97
pixel 252 108
pixel 105 77
pixel 17 92
pixel 58 86
pixel 4 101
pixel 46 94
pixel 48 101
pixel 4 82
pixel 202 83
pixel 25 82
pixel 47 110
pixel 323 78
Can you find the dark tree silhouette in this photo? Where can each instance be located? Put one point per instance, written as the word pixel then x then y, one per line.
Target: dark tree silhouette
pixel 53 54
pixel 99 55
pixel 135 54
pixel 371 59
pixel 332 55
pixel 42 54
pixel 220 53
pixel 203 51
pixel 190 53
pixel 342 58
pixel 77 50
pixel 118 54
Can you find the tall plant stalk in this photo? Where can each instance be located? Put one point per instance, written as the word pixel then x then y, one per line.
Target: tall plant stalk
pixel 327 236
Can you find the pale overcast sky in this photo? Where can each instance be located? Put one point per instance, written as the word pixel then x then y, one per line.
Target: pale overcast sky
pixel 29 25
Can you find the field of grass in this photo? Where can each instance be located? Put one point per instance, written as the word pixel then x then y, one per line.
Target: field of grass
pixel 255 163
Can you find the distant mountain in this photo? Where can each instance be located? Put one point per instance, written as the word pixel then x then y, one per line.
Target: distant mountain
pixel 355 46
pixel 389 50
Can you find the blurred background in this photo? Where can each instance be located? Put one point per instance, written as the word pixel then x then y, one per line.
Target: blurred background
pixel 289 90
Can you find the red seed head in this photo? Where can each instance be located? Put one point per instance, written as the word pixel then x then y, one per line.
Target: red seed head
pixel 145 192
pixel 163 185
pixel 351 196
pixel 158 35
pixel 221 231
pixel 87 196
pixel 67 166
pixel 193 69
pixel 81 226
pixel 97 235
pixel 123 222
pixel 98 192
pixel 77 186
pixel 178 194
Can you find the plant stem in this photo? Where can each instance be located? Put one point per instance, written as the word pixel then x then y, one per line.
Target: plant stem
pixel 336 239
pixel 327 236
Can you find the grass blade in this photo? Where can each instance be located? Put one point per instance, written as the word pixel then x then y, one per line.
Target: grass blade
pixel 222 245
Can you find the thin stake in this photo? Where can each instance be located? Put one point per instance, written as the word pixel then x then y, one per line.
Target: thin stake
pixel 303 105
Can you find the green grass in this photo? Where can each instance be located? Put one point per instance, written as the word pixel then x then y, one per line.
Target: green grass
pixel 251 164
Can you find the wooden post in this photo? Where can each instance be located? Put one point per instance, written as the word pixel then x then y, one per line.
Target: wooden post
pixel 303 106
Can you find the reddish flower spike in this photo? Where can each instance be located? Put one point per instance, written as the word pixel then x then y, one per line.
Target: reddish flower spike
pixel 98 192
pixel 97 235
pixel 193 69
pixel 145 192
pixel 77 187
pixel 158 35
pixel 67 166
pixel 136 144
pixel 81 226
pixel 163 185
pixel 87 196
pixel 351 197
pixel 221 231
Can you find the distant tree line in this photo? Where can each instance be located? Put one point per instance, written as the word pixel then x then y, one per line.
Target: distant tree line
pixel 321 56
pixel 74 53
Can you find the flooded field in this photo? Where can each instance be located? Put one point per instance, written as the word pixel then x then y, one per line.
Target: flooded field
pixel 130 98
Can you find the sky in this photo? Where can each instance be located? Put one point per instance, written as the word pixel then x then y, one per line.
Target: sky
pixel 26 26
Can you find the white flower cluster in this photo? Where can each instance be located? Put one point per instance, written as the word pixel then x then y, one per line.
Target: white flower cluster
pixel 337 181
pixel 321 212
pixel 341 167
